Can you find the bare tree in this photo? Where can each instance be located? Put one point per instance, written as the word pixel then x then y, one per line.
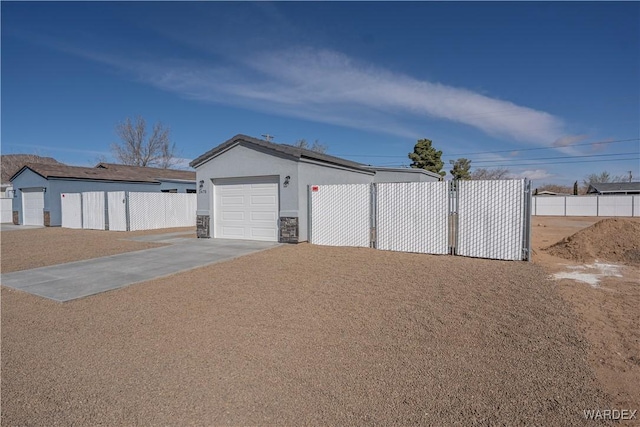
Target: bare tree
pixel 604 176
pixel 136 149
pixel 316 146
pixel 486 174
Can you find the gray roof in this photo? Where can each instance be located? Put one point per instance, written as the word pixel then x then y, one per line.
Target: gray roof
pixel 108 172
pixel 614 187
pixel 287 150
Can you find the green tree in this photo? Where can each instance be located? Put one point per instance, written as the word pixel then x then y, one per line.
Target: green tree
pixel 461 168
pixel 426 157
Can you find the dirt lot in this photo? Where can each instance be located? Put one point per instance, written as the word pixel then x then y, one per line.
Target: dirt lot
pixel 609 313
pixel 39 247
pixel 304 335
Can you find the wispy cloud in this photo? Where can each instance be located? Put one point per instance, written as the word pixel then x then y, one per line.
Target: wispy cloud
pixel 330 87
pixel 534 174
pixel 565 141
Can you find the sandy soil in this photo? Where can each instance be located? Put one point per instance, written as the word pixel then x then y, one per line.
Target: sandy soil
pixel 39 247
pixel 304 335
pixel 609 314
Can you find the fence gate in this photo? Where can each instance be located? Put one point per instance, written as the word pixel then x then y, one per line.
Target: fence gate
pixel 483 219
pixel 493 219
pixel 71 206
pixel 412 217
pixel 117 205
pixel 340 214
pixel 93 212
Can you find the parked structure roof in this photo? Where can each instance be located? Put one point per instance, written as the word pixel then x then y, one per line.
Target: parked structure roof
pixel 108 172
pixel 614 188
pixel 282 149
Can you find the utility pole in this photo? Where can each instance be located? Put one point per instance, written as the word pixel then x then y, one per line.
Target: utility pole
pixel 630 176
pixel 267 137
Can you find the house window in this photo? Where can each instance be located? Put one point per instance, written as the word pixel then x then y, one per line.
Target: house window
pixel 191 190
pixel 172 190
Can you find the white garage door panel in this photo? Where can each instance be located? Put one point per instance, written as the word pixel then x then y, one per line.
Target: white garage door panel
pixel 246 208
pixel 33 207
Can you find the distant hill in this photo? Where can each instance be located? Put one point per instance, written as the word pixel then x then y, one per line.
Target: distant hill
pixel 11 163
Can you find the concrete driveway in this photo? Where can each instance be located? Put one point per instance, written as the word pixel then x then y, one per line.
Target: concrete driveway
pixel 66 282
pixel 7 226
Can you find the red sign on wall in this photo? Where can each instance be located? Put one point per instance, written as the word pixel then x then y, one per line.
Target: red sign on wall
pixel 314 188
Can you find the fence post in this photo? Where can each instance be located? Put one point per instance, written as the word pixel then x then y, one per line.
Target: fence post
pixel 597 205
pixel 526 232
pixel 126 210
pixel 456 216
pixel 106 210
pixel 309 205
pixel 373 215
pixel 81 211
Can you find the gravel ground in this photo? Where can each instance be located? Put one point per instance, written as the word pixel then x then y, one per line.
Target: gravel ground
pixel 39 247
pixel 608 314
pixel 304 335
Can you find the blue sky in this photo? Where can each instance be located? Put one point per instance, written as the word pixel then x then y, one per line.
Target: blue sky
pixel 550 90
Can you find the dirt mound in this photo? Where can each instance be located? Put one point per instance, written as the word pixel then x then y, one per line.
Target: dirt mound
pixel 612 239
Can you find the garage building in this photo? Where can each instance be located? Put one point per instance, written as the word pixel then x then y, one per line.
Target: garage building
pixel 38 187
pixel 253 189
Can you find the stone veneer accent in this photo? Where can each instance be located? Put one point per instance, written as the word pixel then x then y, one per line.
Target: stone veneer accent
pixel 47 219
pixel 289 229
pixel 16 218
pixel 202 226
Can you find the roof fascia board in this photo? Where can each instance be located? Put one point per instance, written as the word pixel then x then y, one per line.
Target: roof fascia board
pixel 335 166
pixel 22 169
pixel 62 178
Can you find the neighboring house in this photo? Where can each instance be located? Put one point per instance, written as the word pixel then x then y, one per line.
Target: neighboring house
pixel 614 188
pixel 252 189
pixel 11 163
pixel 550 193
pixel 38 187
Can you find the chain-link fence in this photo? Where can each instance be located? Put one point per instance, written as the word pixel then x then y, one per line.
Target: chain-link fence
pixel 484 219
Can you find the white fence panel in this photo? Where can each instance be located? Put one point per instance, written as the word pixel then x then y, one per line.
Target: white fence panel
pixel 341 215
pixel 6 210
pixel 491 217
pixel 180 210
pixel 550 205
pixel 412 217
pixel 117 204
pixel 636 205
pixel 615 206
pixel 581 205
pixel 149 211
pixel 71 207
pixel 146 211
pixel 93 210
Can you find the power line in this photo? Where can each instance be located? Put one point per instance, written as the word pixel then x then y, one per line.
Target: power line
pixel 543 163
pixel 541 158
pixel 558 157
pixel 501 151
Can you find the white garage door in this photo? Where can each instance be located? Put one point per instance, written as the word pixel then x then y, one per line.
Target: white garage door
pixel 33 207
pixel 246 208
